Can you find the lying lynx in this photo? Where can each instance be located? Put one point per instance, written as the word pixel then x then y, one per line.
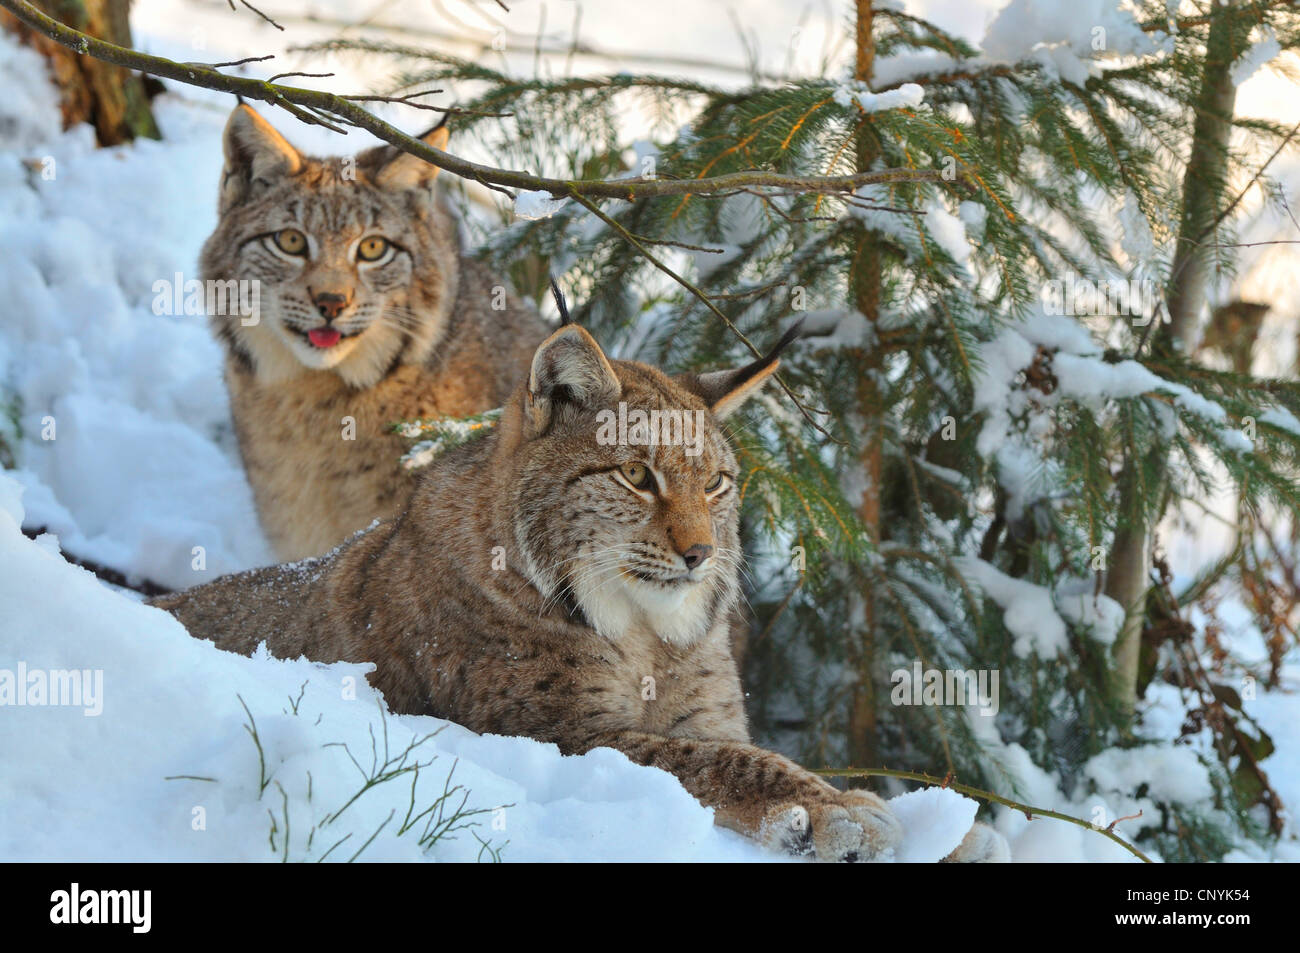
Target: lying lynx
pixel 549 581
pixel 368 314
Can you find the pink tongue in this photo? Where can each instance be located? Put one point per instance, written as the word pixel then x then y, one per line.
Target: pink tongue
pixel 324 337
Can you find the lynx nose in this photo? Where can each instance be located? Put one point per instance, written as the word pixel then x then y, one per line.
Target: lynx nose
pixel 696 555
pixel 329 304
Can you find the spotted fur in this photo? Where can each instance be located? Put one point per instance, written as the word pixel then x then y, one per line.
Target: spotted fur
pixel 423 331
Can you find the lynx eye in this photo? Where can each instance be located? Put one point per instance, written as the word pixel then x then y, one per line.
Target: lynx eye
pixel 373 248
pixel 716 483
pixel 638 475
pixel 291 241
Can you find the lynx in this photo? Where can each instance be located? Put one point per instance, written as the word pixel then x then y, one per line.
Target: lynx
pixel 367 314
pixel 550 582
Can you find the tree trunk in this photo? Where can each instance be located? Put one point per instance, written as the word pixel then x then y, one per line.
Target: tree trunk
pixel 865 285
pixel 1127 580
pixel 1204 183
pixel 110 98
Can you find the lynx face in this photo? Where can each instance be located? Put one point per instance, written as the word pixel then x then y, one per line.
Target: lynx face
pixel 354 258
pixel 634 533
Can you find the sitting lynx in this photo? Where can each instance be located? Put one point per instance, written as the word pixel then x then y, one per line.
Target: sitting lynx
pixel 368 314
pixel 549 580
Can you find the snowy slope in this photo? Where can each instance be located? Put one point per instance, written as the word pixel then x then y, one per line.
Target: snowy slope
pixel 157 760
pixel 125 440
pixel 92 786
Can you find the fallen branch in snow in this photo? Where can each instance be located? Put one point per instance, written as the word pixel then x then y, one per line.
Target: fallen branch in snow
pixel 1028 810
pixel 327 109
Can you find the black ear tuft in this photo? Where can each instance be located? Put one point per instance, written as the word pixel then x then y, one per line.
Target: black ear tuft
pixel 436 126
pixel 724 391
pixel 558 295
pixel 759 365
pixel 792 332
pixel 440 124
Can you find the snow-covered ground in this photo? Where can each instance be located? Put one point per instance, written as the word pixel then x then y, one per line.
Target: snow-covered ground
pixel 156 762
pixel 125 457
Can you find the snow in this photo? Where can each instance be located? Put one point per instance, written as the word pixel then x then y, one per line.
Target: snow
pixel 1065 36
pixel 1170 774
pixel 1028 610
pixel 948 231
pixel 1281 418
pixel 125 444
pixel 96 788
pixel 537 205
pixel 441 435
pixel 835 328
pixel 1081 375
pixel 934 822
pixel 975 217
pixel 872 206
pixel 29 112
pixel 1084 609
pixel 1024 475
pixel 914 64
pixel 1041 839
pixel 1137 241
pixel 909 95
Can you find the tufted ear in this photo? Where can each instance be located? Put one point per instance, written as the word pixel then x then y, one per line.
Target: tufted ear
pixel 569 369
pixel 401 171
pixel 726 391
pixel 255 153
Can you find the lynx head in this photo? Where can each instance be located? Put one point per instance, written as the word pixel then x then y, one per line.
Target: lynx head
pixel 623 490
pixel 354 258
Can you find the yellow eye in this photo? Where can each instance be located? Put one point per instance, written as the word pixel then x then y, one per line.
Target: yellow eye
pixel 372 249
pixel 291 241
pixel 637 474
pixel 716 483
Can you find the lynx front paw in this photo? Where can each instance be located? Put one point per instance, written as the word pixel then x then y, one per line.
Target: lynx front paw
pixel 845 826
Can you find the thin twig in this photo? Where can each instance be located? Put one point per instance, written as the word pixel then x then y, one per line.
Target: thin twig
pixel 246 59
pixel 299 73
pixel 258 12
